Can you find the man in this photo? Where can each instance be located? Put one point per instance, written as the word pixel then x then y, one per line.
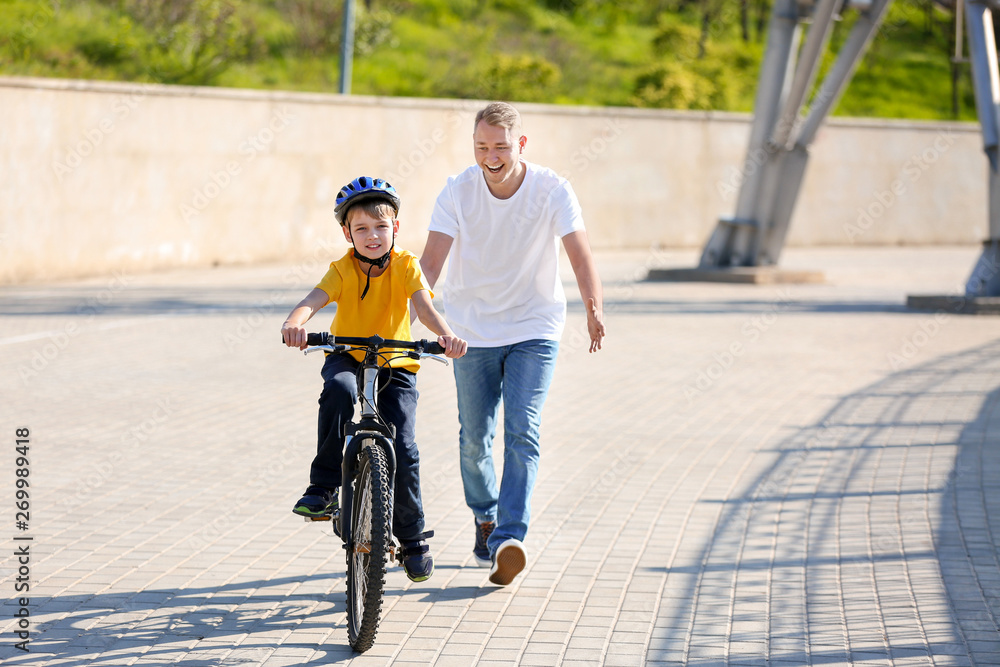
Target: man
pixel 500 219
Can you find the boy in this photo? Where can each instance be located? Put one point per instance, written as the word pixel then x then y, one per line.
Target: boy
pixel 372 285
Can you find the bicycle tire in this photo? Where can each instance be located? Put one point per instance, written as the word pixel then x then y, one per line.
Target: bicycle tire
pixel 368 552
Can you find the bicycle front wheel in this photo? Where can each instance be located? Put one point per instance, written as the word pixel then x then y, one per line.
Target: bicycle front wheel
pixel 368 551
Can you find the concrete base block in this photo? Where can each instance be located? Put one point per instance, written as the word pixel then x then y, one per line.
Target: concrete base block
pixel 955 303
pixel 753 275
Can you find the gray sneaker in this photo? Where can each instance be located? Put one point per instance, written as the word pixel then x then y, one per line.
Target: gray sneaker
pixel 481 551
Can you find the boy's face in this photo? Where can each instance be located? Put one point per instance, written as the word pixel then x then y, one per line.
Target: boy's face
pixel 372 236
pixel 498 153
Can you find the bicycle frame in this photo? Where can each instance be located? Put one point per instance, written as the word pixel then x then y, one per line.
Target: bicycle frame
pixel 356 433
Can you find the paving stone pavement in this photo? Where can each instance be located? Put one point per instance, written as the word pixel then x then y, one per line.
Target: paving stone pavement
pixel 745 475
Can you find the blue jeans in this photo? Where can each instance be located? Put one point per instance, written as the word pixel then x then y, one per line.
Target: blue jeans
pixel 519 375
pixel 397 403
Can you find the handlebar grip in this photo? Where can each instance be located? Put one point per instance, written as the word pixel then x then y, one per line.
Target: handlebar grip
pixel 322 338
pixel 433 347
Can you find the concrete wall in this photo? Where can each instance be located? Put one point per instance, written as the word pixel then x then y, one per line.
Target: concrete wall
pixel 97 176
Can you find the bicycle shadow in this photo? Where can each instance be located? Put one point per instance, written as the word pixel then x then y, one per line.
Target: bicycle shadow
pixel 234 623
pixel 923 523
pixel 245 622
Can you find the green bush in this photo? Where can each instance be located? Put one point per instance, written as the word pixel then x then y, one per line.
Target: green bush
pixel 193 41
pixel 316 25
pixel 21 24
pixel 669 85
pixel 109 44
pixel 523 78
pixel 692 75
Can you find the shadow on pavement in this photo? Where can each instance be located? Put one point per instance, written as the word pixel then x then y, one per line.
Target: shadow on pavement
pixel 897 489
pixel 231 624
pixel 214 625
pixel 88 302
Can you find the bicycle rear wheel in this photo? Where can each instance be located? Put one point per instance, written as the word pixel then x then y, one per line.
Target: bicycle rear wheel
pixel 368 551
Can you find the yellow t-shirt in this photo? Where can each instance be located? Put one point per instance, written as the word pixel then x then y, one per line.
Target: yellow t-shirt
pixel 385 310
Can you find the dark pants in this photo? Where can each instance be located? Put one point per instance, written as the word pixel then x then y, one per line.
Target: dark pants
pixel 397 403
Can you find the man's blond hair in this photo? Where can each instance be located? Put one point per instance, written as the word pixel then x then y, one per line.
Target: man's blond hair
pixel 500 114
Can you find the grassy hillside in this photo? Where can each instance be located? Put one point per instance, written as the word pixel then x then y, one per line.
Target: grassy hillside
pixel 684 54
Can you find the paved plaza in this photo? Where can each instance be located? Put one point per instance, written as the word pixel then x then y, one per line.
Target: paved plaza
pixel 745 475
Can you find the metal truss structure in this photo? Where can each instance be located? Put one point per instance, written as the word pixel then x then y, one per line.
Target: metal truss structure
pixel 786 122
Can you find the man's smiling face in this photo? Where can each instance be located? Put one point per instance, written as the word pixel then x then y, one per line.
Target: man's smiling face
pixel 498 154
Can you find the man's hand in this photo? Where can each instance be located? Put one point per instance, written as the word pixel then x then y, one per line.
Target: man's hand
pixel 595 325
pixel 578 250
pixel 454 347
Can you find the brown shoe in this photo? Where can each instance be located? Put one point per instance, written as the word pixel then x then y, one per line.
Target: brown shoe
pixel 508 562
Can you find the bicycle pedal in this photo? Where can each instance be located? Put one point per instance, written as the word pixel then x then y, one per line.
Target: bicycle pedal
pixel 309 519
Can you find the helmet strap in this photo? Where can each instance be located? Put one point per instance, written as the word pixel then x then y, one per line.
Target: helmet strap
pixel 381 262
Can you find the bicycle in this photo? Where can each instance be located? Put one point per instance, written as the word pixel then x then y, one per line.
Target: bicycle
pixel 364 519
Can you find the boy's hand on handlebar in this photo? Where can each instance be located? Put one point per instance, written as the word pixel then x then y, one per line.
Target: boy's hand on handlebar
pixel 294 336
pixel 454 347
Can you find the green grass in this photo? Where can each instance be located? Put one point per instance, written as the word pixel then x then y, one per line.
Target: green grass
pixel 561 51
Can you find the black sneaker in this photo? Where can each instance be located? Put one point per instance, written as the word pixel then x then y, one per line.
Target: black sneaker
pixel 318 501
pixel 481 551
pixel 415 555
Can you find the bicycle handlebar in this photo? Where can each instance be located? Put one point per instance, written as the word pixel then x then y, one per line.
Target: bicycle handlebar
pixel 422 346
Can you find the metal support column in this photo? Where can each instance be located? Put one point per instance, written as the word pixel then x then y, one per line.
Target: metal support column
pixel 779 138
pixel 985 278
pixel 731 240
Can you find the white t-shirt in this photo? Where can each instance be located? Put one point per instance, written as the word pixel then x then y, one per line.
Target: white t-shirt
pixel 503 282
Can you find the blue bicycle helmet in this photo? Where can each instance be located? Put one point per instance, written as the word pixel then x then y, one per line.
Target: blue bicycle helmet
pixel 361 189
